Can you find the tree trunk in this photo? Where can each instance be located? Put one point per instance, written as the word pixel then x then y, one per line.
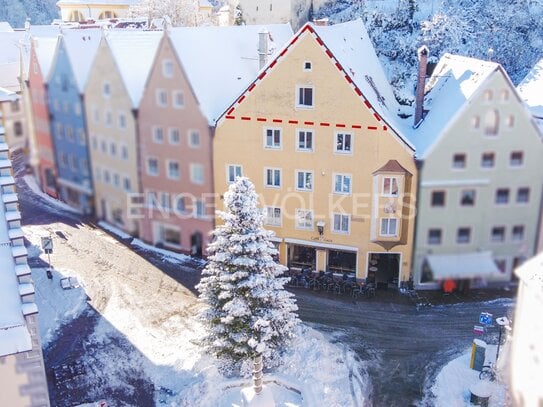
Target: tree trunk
pixel 257 374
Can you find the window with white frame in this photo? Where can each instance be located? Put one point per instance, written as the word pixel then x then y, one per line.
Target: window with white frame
pixel 113 149
pixel 158 134
pixel 200 208
pixel 152 166
pixel 502 196
pixel 343 143
pixel 197 173
pixel 273 177
pixel 272 216
pixel 116 180
pixel 170 236
pixel 389 227
pixel 305 140
pixel 178 98
pixel 232 172
pixel 106 90
pixel 497 234
pixel 194 138
pixel 272 138
pixel 304 97
pixel 161 98
pixel 390 186
pixel 459 161
pixel 342 183
pixel 341 223
pixel 523 195
pixel 434 236
pixel 122 121
pixel 516 159
pixel 124 152
pixel 518 233
pixel 463 235
pixel 167 68
pixel 179 202
pixel 107 177
pixel 152 199
pixel 174 135
pixel 126 184
pixel 487 160
pixel 304 180
pixel 304 219
pixel 173 169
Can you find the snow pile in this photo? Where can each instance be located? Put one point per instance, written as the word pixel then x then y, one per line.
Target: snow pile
pixel 114 230
pixel 30 180
pixel 166 254
pixel 451 387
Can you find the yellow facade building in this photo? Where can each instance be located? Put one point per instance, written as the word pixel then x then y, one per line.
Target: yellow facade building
pixel 318 134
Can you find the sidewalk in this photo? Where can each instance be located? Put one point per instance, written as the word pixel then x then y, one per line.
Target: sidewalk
pixel 452 385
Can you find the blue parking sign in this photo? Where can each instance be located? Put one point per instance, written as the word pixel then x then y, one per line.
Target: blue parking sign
pixel 485 318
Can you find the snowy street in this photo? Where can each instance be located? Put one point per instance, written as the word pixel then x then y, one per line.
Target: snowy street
pixel 135 343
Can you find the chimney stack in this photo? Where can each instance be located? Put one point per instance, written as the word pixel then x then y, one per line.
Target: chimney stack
pixel 263 37
pixel 422 54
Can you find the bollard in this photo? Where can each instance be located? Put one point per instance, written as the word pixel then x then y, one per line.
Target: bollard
pixel 478 350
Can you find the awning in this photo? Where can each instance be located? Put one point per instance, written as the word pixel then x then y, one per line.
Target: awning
pixel 462 266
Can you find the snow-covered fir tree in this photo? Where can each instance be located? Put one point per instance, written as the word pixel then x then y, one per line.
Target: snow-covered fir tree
pixel 249 312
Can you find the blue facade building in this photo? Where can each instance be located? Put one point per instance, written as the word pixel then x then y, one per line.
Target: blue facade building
pixel 71 65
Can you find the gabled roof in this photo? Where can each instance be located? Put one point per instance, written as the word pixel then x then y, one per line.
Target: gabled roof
pixel 349 47
pixel 45 51
pixel 226 65
pixel 134 53
pixel 81 46
pixel 454 81
pixel 392 166
pixel 531 89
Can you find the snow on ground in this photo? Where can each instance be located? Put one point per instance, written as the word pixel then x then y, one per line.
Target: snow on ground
pixel 452 384
pixel 30 180
pixel 166 254
pixel 56 306
pixel 147 332
pixel 116 231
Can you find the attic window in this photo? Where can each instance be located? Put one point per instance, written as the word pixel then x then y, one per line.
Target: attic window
pixel 505 95
pixel 488 95
pixel 307 66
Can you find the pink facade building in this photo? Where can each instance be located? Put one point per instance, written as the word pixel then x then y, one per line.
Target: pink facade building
pixel 41 56
pixel 187 90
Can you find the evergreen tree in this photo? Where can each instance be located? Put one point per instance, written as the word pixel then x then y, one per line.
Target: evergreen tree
pixel 249 312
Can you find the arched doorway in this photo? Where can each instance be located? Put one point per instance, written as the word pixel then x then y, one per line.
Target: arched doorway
pixel 196 241
pixel 76 15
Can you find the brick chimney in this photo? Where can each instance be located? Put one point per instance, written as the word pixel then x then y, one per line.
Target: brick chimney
pixel 422 54
pixel 263 45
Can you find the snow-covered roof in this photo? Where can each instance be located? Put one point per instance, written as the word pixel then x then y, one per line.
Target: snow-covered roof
pixel 454 81
pixel 531 272
pixel 464 265
pixel 531 89
pixel 352 47
pixel 226 65
pixel 134 53
pixel 5 27
pixel 81 46
pixel 14 335
pixel 7 96
pixel 97 2
pixel 45 51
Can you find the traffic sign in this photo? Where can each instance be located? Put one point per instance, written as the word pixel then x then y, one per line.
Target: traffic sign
pixel 478 329
pixel 47 244
pixel 485 318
